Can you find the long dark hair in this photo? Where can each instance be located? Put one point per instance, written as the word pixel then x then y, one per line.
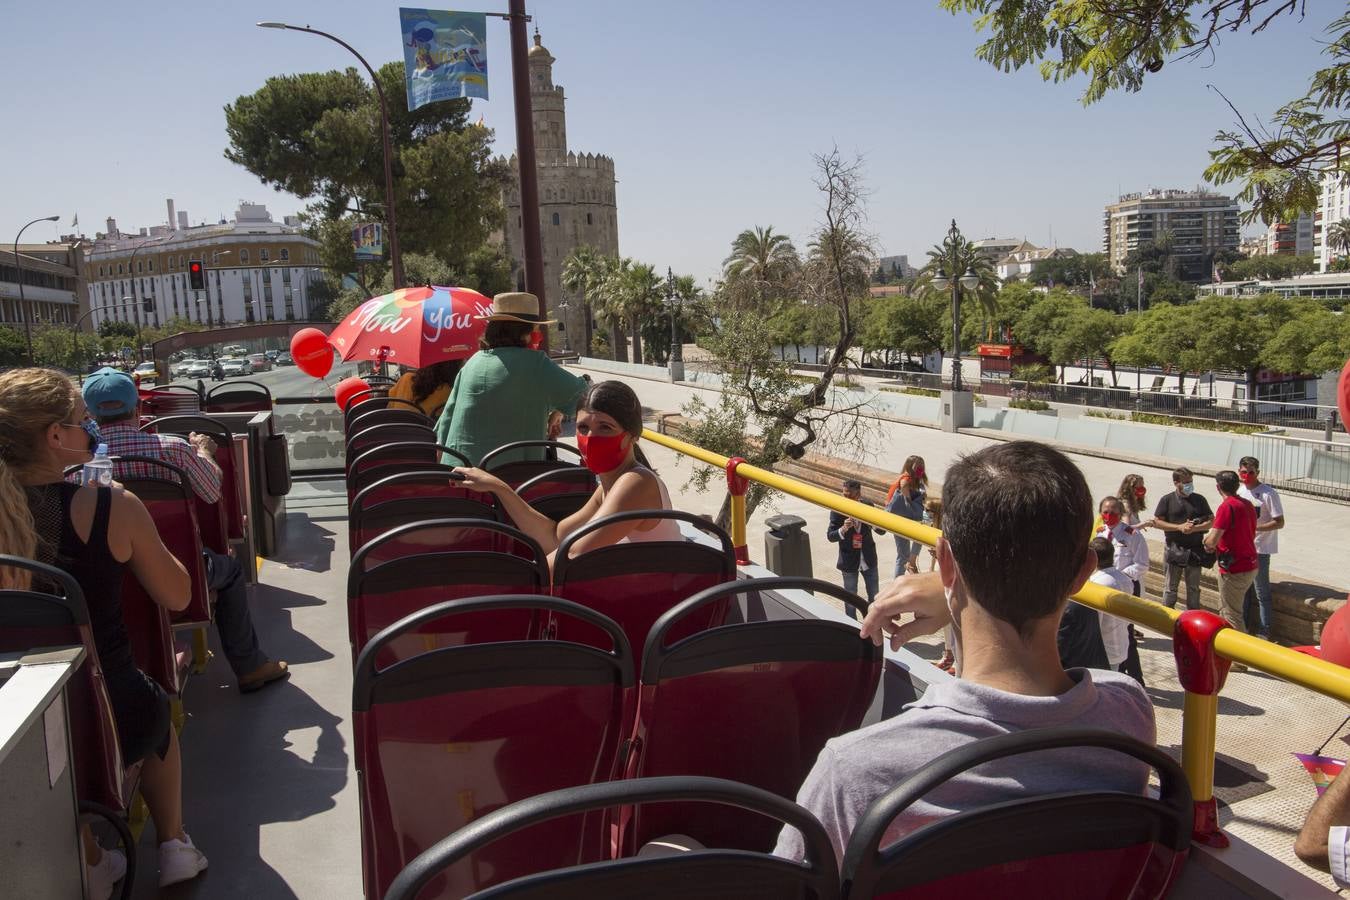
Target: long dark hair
pixel 427 379
pixel 618 401
pixel 505 333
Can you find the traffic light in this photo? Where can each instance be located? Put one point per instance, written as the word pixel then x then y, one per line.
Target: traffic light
pixel 196 275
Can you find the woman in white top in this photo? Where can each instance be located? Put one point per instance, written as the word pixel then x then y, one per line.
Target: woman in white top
pixel 609 423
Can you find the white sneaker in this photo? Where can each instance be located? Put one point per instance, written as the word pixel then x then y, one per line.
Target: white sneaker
pixel 179 861
pixel 109 870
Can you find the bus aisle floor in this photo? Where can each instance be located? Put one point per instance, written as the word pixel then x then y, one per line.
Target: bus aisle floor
pixel 269 790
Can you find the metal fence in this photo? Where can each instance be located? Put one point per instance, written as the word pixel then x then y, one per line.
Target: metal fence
pixel 1308 466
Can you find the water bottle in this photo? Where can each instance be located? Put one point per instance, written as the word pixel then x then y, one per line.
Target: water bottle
pixel 98 471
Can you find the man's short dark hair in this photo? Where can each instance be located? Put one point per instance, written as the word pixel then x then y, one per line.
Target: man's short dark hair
pixel 1181 475
pixel 1227 482
pixel 852 484
pixel 1018 517
pixel 1106 554
pixel 1250 463
pixel 128 416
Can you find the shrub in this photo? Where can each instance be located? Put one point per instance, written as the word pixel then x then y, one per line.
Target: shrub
pixel 1028 403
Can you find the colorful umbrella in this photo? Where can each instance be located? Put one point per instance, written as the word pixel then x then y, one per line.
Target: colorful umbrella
pixel 415 327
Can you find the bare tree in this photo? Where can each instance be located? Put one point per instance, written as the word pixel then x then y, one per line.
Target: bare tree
pixel 765 411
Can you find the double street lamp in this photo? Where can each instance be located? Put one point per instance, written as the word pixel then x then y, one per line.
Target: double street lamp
pixel 23 303
pixel 395 259
pixel 676 345
pixel 969 281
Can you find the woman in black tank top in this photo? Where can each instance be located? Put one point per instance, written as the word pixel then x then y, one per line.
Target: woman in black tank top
pixel 45 428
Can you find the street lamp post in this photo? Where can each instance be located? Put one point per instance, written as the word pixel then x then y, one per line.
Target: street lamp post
pixel 395 259
pixel 23 302
pixel 958 405
pixel 676 347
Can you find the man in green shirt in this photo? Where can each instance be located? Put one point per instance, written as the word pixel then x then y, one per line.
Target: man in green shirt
pixel 506 391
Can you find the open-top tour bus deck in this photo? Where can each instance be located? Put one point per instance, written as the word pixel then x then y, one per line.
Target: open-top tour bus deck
pixel 457 719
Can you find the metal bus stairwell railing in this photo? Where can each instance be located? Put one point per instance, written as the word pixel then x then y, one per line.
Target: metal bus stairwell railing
pixel 1202 643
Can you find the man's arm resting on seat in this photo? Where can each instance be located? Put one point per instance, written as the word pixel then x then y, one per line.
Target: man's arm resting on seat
pixel 1332 809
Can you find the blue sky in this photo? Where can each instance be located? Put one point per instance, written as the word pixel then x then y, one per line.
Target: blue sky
pixel 712 112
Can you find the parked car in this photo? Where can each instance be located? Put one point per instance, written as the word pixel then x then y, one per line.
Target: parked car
pixel 284 359
pixel 146 371
pixel 260 362
pixel 197 368
pixel 231 367
pixel 272 354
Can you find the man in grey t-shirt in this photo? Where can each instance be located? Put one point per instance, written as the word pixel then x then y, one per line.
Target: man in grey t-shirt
pixel 1015 546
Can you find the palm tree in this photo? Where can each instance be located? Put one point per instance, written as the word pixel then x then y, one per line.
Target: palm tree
pixel 608 292
pixel 761 259
pixel 1338 235
pixel 581 270
pixel 956 256
pixel 641 289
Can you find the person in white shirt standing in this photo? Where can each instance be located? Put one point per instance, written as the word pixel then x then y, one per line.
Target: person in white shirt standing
pixel 1131 560
pixel 1116 634
pixel 1269 520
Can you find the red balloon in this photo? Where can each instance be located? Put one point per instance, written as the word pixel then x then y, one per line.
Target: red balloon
pixel 1344 396
pixel 346 389
pixel 311 351
pixel 1336 637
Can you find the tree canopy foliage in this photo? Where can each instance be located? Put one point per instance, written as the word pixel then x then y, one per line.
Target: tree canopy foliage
pixel 1116 44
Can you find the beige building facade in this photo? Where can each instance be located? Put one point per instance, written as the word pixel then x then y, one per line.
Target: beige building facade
pixel 53 283
pixel 576 202
pixel 1200 224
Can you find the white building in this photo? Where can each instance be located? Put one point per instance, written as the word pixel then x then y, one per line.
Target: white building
pixel 994 249
pixel 255 270
pixel 1021 260
pixel 1334 208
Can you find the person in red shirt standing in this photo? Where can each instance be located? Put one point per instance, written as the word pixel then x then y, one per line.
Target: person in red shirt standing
pixel 1233 538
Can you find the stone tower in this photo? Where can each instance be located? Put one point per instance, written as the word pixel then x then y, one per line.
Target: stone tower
pixel 576 201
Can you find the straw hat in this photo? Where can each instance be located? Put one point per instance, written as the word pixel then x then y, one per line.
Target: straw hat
pixel 516 307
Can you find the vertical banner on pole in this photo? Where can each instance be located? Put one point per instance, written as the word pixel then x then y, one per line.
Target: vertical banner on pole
pixel 444 55
pixel 368 242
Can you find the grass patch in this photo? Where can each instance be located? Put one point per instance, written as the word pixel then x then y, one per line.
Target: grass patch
pixel 1178 421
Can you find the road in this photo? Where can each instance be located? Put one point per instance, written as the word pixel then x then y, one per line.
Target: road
pixel 287 382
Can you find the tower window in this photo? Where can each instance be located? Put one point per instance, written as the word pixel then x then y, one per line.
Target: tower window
pixel 588 219
pixel 557 219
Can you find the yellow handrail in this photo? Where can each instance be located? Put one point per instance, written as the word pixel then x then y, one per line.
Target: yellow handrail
pixel 1199 711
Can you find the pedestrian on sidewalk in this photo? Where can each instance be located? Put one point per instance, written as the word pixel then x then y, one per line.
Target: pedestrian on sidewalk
pixel 1130 560
pixel 1269 520
pixel 1133 497
pixel 857 548
pixel 906 499
pixel 1233 537
pixel 1182 516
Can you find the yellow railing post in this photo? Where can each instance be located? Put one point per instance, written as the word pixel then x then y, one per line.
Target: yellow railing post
pixel 1201 672
pixel 737 485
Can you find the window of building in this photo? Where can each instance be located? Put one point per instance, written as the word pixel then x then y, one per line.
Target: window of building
pixel 262 255
pixel 285 254
pixel 588 219
pixel 100 271
pixel 557 219
pixel 150 264
pixel 140 266
pixel 119 268
pixel 243 257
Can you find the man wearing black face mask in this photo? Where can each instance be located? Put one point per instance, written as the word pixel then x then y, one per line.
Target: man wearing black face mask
pixel 114 402
pixel 1183 516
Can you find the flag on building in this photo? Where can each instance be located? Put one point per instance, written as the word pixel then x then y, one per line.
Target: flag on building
pixel 444 55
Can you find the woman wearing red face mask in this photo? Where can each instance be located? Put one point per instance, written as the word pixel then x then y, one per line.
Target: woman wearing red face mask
pixel 1133 497
pixel 609 423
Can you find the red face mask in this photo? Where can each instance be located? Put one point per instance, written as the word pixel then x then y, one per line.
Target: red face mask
pixel 918 472
pixel 1111 519
pixel 602 452
pixel 1140 491
pixel 1247 478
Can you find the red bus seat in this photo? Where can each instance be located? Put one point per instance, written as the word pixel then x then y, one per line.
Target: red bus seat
pixel 634 584
pixel 53 614
pixel 393 432
pixel 506 461
pixel 426 563
pixel 559 493
pixel 380 462
pixel 238 396
pixel 1100 844
pixel 444 738
pixel 706 873
pixel 173 505
pixel 764 695
pixel 408 497
pixel 386 416
pixel 367 401
pixel 222 521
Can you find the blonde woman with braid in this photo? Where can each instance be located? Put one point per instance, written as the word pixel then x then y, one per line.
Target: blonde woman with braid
pixel 95 533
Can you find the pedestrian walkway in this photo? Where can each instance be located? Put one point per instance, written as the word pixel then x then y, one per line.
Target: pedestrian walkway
pixel 1311 543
